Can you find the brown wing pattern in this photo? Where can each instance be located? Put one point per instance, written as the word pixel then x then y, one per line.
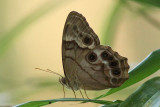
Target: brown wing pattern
pixel 86 63
pixel 78 39
pixel 77 29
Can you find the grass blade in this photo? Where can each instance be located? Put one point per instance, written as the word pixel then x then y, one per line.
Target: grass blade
pixel 148 66
pixel 46 102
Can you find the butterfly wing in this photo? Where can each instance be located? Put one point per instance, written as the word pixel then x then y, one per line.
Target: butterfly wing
pixel 77 29
pixel 84 62
pixel 78 39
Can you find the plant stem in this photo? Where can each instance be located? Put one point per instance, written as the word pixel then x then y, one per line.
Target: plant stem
pixel 109 27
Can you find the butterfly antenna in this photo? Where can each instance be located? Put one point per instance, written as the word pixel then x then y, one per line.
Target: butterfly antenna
pixel 48 70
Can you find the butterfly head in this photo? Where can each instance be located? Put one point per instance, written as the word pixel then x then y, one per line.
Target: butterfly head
pixel 63 81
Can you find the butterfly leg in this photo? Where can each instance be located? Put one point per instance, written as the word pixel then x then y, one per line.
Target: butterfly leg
pixel 74 92
pixel 81 93
pixel 85 92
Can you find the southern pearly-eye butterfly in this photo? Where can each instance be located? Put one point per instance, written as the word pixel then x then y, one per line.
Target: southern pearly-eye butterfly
pixel 87 64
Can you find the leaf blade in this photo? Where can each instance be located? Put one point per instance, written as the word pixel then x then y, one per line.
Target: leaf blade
pixel 145 95
pixel 46 102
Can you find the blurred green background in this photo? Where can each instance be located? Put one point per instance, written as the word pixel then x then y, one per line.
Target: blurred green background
pixel 31 35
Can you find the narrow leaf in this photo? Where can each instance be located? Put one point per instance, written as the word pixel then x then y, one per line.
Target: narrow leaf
pixel 46 102
pixel 114 105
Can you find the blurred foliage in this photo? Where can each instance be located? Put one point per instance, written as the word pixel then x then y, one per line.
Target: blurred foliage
pixel 7 38
pixel 9 61
pixel 150 2
pixel 108 30
pixel 111 23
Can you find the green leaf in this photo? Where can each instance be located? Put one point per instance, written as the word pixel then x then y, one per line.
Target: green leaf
pixel 148 66
pixel 113 105
pixel 9 36
pixel 154 101
pixel 46 102
pixel 147 95
pixel 150 2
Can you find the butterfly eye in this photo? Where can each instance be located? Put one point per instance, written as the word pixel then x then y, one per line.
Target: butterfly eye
pixel 104 55
pixel 92 57
pixel 87 40
pixel 63 80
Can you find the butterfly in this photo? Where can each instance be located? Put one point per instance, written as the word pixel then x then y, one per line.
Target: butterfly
pixel 87 64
